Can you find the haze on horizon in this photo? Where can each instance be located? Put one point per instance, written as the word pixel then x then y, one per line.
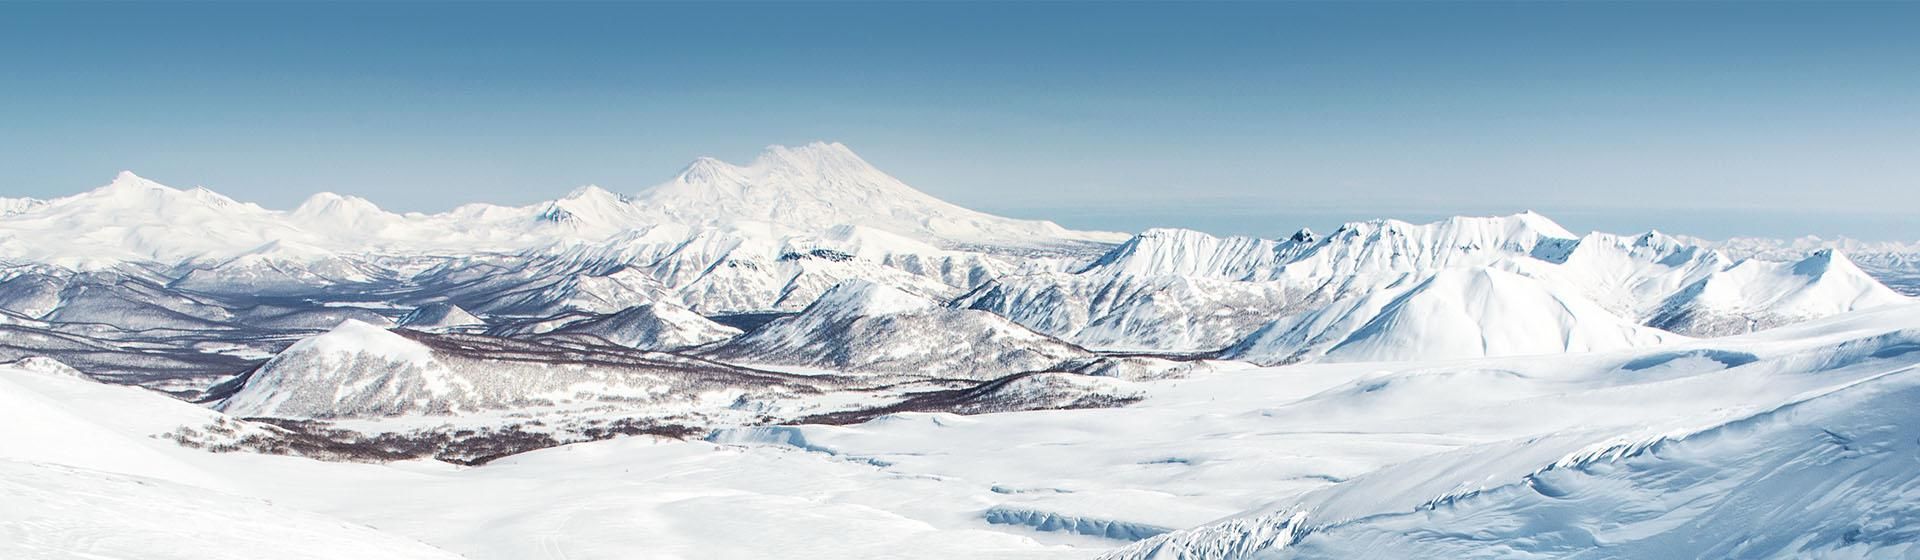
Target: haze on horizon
pixel 1776 119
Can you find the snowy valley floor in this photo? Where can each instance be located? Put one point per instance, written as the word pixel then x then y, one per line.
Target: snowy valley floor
pixel 1799 441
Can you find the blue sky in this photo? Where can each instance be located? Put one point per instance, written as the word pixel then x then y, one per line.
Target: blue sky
pixel 1706 118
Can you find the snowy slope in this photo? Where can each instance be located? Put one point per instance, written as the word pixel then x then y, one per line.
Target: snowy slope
pixel 1455 313
pixel 1827 477
pixel 1765 445
pixel 1521 454
pixel 1757 294
pixel 54 414
pixel 83 474
pixel 1283 452
pixel 360 370
pixel 60 512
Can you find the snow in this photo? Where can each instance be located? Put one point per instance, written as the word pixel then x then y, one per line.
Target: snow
pixel 1456 313
pixel 1473 386
pixel 440 316
pixel 822 185
pixel 54 511
pixel 808 189
pixel 654 326
pixel 1185 291
pixel 353 338
pixel 1758 294
pixel 864 327
pixel 1322 457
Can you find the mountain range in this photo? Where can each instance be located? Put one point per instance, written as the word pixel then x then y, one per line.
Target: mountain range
pixel 769 305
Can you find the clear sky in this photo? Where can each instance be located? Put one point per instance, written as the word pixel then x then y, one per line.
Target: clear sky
pixel 1714 119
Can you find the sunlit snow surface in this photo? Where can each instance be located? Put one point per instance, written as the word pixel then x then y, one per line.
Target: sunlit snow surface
pixel 1477 386
pixel 1794 442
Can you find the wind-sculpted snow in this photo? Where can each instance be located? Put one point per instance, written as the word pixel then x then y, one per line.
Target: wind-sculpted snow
pixel 870 328
pixel 1828 477
pixel 1820 469
pixel 1048 521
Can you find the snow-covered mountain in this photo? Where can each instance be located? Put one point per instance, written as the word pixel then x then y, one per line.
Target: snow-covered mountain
pixel 653 326
pixel 1183 291
pixel 440 316
pixel 1756 294
pixel 1466 312
pixel 822 350
pixel 822 185
pixel 361 370
pixel 798 190
pixel 864 327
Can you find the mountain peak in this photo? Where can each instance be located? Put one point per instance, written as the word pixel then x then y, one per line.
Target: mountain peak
pixel 338 210
pixel 593 192
pixel 354 337
pixel 1820 261
pixel 708 171
pixel 867 298
pixel 127 181
pixel 817 186
pixel 816 157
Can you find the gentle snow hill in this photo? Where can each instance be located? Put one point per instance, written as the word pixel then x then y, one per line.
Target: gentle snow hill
pixel 1758 294
pixel 57 415
pixel 1894 263
pixel 865 327
pixel 60 512
pixel 84 475
pixel 1455 313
